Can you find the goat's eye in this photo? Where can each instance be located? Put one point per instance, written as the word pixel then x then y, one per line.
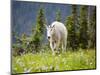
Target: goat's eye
pixel 48 37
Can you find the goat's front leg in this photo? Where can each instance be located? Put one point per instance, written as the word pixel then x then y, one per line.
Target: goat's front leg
pixel 57 46
pixel 52 47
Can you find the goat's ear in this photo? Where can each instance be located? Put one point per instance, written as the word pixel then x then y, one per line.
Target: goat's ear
pixel 53 26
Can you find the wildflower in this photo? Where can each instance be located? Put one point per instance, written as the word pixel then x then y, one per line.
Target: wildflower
pixel 57 68
pixel 28 70
pixel 18 60
pixel 44 68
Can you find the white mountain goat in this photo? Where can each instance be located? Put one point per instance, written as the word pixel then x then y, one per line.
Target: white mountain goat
pixel 57 36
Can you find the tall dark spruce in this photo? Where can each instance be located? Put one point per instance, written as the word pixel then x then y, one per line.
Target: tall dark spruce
pixel 58 15
pixel 83 27
pixel 40 28
pixel 72 26
pixel 75 40
pixel 92 27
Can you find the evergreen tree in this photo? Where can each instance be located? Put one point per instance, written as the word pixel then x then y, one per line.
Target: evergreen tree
pixel 40 28
pixel 83 27
pixel 58 16
pixel 71 24
pixel 68 24
pixel 92 27
pixel 75 27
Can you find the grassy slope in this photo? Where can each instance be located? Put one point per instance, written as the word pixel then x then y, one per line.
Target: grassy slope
pixel 43 62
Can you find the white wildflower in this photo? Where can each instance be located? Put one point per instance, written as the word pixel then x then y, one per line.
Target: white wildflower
pixel 44 68
pixel 28 70
pixel 32 63
pixel 57 67
pixel 21 64
pixel 18 60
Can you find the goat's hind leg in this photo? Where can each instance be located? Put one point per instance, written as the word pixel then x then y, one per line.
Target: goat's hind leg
pixel 64 47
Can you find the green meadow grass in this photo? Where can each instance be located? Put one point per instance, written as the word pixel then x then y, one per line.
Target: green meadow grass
pixel 46 62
